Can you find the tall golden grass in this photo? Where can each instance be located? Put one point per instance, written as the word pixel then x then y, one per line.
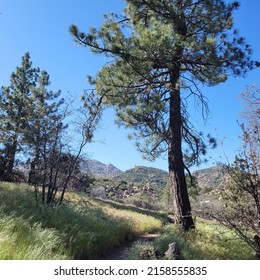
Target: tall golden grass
pixel 81 228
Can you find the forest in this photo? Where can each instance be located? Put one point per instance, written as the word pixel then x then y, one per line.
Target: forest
pixel 159 55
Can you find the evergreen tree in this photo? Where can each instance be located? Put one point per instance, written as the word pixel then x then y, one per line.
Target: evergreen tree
pixel 14 104
pixel 159 53
pixel 32 124
pixel 42 132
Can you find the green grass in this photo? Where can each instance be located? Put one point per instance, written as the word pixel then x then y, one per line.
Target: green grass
pixel 135 252
pixel 20 240
pixel 87 228
pixel 82 228
pixel 209 242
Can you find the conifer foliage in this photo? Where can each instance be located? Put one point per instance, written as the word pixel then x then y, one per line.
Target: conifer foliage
pixel 14 107
pixel 32 127
pixel 159 53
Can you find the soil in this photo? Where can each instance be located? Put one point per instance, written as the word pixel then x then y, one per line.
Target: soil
pixel 119 252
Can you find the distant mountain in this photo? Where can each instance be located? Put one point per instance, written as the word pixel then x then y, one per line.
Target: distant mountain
pixel 144 186
pixel 100 169
pixel 144 175
pixel 211 177
pixel 138 174
pixel 208 178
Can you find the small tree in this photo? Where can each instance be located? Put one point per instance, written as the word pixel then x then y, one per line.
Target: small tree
pixel 92 112
pixel 54 166
pixel 158 54
pixel 241 212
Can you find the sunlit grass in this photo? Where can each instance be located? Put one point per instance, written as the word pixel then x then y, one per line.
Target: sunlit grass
pixel 88 228
pixel 135 252
pixel 20 240
pixel 217 242
pixel 209 241
pixel 82 228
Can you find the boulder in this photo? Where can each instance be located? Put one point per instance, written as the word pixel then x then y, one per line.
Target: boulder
pixel 99 192
pixel 173 252
pixel 149 254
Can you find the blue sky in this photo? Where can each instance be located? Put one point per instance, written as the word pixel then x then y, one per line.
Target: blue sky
pixel 41 27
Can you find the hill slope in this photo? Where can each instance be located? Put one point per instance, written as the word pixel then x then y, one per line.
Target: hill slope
pixel 80 228
pixel 145 175
pixel 146 186
pixel 99 169
pixel 210 178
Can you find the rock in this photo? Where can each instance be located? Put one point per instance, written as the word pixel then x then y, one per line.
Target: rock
pixel 99 192
pixel 171 219
pixel 173 252
pixel 148 254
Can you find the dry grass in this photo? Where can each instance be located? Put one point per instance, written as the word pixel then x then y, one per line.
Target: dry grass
pixel 82 228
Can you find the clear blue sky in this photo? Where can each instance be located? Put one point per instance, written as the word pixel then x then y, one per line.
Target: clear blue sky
pixel 41 27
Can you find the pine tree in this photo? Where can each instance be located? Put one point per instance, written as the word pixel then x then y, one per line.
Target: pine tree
pixel 42 132
pixel 159 53
pixel 13 110
pixel 32 124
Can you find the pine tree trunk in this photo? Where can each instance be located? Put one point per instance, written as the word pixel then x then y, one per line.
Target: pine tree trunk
pixel 177 180
pixel 11 158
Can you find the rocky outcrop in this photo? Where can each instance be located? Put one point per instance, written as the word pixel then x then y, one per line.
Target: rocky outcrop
pixel 120 191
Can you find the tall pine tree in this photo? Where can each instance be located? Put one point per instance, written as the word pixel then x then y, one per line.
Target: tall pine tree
pixel 159 53
pixel 14 104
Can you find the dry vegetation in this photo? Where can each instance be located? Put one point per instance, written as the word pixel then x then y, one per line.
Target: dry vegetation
pixel 82 228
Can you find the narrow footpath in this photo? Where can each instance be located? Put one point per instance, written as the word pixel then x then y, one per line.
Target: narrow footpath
pixel 119 252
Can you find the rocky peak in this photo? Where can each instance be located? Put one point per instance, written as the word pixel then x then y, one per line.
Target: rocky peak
pixel 99 169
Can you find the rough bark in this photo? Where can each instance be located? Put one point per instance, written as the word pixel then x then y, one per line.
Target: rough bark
pixel 177 179
pixel 12 150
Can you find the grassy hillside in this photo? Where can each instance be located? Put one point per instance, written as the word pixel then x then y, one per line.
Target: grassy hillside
pixel 82 228
pixel 89 228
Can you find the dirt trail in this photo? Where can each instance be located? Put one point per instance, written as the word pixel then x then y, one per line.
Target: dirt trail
pixel 118 253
